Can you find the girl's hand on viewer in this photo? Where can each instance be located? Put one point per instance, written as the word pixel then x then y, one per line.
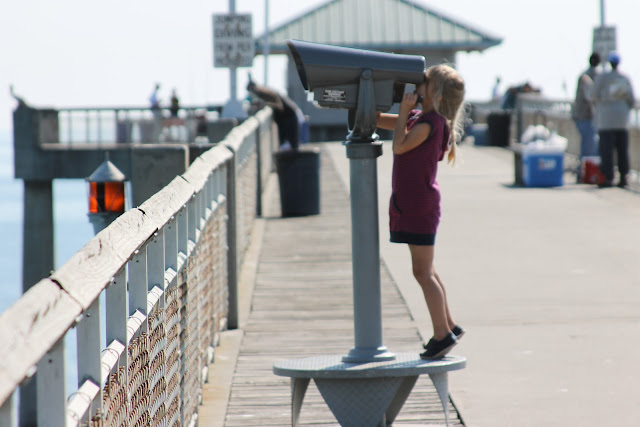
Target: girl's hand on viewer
pixel 409 101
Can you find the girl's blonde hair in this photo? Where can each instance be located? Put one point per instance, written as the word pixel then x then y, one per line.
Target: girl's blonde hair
pixel 448 101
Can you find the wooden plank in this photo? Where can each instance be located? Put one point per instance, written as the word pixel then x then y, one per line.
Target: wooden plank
pixel 30 327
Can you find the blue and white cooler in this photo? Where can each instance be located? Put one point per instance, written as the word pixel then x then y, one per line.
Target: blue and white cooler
pixel 543 162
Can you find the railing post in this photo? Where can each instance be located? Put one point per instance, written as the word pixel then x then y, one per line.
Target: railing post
pixel 138 283
pixel 205 207
pixel 117 312
pixel 89 350
pixel 194 221
pixel 171 247
pixel 183 236
pixel 155 262
pixel 259 154
pixel 232 240
pixel 51 386
pixel 211 193
pixel 213 202
pixel 7 412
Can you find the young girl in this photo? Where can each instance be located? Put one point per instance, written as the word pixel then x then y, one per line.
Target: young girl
pixel 420 141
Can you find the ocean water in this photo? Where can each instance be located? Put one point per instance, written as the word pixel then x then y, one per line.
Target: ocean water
pixel 72 229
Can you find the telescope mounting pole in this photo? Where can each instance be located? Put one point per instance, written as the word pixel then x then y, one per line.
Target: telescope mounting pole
pixel 363 148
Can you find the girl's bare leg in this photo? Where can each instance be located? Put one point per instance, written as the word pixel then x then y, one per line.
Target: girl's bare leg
pixel 450 320
pixel 434 295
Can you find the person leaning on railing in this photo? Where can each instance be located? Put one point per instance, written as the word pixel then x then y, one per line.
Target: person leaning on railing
pixel 286 114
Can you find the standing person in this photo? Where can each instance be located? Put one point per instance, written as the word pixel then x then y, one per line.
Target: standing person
pixel 420 141
pixel 175 104
pixel 613 99
pixel 154 104
pixel 154 100
pixel 582 112
pixel 495 92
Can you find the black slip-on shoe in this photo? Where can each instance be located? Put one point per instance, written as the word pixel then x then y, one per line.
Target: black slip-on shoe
pixel 437 349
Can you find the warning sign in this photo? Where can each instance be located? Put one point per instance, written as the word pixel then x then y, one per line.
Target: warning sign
pixel 232 40
pixel 604 41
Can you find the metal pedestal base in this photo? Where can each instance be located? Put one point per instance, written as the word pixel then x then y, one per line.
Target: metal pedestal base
pixel 365 394
pixel 366 355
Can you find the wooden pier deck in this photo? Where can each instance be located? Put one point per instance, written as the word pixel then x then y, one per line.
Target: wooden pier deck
pixel 302 306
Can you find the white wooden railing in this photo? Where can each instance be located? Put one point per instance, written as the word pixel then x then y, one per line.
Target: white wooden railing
pixel 162 279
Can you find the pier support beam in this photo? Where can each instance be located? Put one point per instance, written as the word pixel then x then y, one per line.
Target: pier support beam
pixel 37 262
pixel 37 247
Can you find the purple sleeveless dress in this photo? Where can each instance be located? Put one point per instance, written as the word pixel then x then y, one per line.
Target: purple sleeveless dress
pixel 414 208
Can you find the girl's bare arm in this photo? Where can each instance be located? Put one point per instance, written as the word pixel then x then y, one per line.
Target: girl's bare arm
pixel 386 121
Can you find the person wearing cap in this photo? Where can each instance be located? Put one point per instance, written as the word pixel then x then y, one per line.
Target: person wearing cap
pixel 582 111
pixel 613 100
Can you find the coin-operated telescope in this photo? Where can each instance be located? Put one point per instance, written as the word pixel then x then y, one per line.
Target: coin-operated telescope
pixel 361 81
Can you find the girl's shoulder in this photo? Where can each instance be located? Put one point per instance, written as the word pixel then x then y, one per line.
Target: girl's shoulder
pixel 432 117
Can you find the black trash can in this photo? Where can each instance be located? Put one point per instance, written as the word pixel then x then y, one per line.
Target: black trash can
pixel 299 179
pixel 498 125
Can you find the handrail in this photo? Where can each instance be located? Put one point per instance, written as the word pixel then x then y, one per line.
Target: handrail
pixel 167 271
pixel 101 125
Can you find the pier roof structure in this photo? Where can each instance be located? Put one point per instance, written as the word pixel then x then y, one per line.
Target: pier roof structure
pixel 400 26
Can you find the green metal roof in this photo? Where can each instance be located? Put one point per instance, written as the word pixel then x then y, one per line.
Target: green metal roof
pixel 401 26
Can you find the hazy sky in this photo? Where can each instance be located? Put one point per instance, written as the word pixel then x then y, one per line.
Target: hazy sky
pixel 68 53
